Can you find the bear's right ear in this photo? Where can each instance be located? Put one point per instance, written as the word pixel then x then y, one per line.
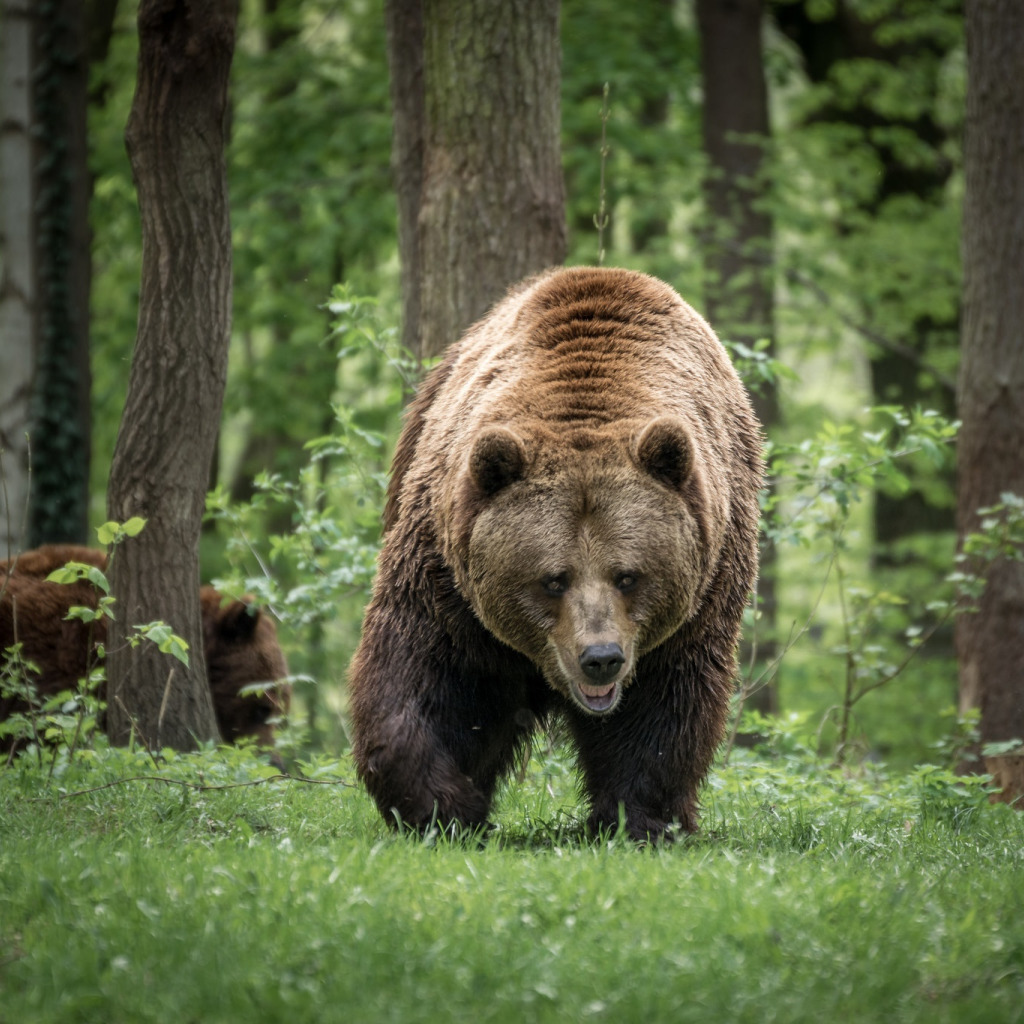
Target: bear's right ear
pixel 664 449
pixel 498 458
pixel 236 621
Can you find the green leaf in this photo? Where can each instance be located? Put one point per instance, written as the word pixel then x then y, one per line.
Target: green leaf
pixel 107 533
pixel 82 614
pixel 166 640
pixel 65 574
pixel 75 571
pixel 133 527
pixel 112 532
pixel 1002 749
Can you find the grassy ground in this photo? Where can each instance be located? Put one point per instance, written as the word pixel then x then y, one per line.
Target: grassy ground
pixel 810 895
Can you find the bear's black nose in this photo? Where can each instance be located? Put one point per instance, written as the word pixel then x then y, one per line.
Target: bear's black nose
pixel 601 662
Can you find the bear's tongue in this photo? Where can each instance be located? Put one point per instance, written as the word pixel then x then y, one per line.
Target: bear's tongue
pixel 598 698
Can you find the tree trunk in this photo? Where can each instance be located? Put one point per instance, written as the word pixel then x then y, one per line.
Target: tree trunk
pixel 649 220
pixel 165 444
pixel 492 206
pixel 44 297
pixel 408 107
pixel 61 414
pixel 990 643
pixel 18 305
pixel 739 298
pixel 99 30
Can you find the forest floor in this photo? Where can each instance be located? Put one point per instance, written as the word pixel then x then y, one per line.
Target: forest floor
pixel 199 888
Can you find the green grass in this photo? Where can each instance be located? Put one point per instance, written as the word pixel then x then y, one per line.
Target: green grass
pixel 810 896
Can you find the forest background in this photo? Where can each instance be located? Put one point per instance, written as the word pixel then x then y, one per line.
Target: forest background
pixel 807 173
pixel 858 174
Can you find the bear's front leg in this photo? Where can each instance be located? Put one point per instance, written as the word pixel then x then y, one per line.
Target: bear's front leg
pixel 649 757
pixel 436 726
pixel 399 745
pixel 413 779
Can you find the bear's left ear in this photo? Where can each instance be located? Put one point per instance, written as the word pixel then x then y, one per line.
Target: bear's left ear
pixel 498 458
pixel 237 621
pixel 664 449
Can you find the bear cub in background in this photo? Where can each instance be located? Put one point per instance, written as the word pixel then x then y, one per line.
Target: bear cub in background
pixel 571 527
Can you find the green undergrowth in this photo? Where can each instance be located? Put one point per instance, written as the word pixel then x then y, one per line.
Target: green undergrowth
pixel 205 888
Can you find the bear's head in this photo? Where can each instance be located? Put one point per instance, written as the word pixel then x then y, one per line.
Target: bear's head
pixel 246 668
pixel 585 551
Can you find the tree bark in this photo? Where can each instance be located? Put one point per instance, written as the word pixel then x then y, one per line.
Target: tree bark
pixel 990 643
pixel 408 112
pixel 492 205
pixel 165 444
pixel 18 305
pixel 650 220
pixel 739 296
pixel 61 413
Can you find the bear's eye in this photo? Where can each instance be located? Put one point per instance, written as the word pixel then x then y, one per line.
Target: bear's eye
pixel 555 586
pixel 626 581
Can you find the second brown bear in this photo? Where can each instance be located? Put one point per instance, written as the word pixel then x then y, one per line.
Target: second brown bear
pixel 571 527
pixel 239 642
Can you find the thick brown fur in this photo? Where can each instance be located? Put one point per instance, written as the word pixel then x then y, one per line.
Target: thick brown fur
pixel 239 642
pixel 579 476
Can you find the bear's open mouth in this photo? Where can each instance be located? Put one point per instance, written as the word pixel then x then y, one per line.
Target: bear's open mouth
pixel 598 698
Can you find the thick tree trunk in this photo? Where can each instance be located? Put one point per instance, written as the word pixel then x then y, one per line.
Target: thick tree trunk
pixel 18 305
pixel 990 643
pixel 739 297
pixel 492 207
pixel 61 414
pixel 175 139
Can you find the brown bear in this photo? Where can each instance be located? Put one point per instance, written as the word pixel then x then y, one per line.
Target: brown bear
pixel 239 642
pixel 571 527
